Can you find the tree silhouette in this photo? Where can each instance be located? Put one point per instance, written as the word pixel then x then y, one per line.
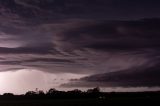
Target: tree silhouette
pixel 52 91
pixel 30 93
pixel 41 92
pixel 94 90
pixel 8 94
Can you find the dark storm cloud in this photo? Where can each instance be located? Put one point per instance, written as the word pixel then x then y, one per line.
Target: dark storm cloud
pixel 135 77
pixel 49 60
pixel 51 10
pixel 82 36
pixel 26 50
pixel 86 45
pixel 115 35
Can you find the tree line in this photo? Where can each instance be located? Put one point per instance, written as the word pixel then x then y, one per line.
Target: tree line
pixel 78 94
pixel 54 94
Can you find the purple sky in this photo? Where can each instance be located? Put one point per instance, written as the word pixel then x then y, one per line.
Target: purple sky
pixel 114 44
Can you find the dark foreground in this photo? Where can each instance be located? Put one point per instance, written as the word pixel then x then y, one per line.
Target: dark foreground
pixel 80 102
pixel 103 99
pixel 56 102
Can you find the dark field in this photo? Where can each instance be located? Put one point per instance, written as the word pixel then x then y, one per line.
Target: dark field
pixel 77 102
pixel 57 102
pixel 116 99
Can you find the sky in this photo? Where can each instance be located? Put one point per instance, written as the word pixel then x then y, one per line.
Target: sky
pixel 67 44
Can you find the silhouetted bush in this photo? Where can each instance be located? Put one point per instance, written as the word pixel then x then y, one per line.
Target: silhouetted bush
pixel 30 93
pixel 41 93
pixel 51 91
pixel 94 90
pixel 8 94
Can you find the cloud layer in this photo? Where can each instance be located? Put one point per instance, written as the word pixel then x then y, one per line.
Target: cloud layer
pixel 135 77
pixel 82 37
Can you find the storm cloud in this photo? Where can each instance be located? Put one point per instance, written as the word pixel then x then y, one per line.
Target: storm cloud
pixel 135 77
pixel 113 42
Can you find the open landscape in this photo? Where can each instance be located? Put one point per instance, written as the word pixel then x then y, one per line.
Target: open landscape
pixel 79 52
pixel 92 97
